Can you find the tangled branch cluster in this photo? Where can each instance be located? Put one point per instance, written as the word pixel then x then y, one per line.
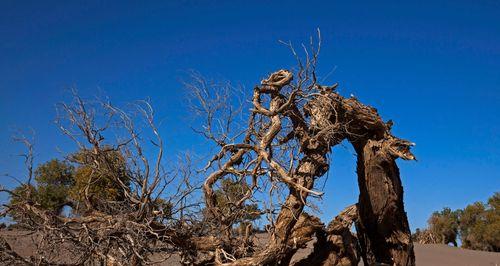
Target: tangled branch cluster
pixel 293 125
pixel 151 216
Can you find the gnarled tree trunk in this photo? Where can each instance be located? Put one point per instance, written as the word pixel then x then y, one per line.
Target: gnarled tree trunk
pixel 383 230
pixel 317 118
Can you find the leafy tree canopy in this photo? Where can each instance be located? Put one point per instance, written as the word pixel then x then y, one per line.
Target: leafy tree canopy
pixel 478 226
pixel 81 185
pixel 444 225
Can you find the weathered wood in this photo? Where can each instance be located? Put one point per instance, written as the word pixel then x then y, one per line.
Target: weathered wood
pixel 323 121
pixel 337 245
pixel 382 228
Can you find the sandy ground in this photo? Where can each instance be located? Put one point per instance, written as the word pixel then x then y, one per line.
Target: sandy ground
pixel 441 255
pixel 426 255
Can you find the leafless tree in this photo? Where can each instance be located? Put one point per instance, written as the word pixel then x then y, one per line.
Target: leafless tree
pixel 277 153
pixel 153 217
pixel 293 124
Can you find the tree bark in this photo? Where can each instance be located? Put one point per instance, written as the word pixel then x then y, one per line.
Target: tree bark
pixel 337 245
pixel 383 230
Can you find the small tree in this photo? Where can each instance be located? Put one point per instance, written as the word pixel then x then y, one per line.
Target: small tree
pixel 478 225
pixel 54 180
pixel 444 225
pixel 471 224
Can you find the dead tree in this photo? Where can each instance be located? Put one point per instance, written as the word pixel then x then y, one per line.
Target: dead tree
pixel 281 152
pixel 293 125
pixel 153 217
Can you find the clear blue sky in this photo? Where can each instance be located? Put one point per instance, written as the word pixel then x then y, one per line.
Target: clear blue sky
pixel 431 66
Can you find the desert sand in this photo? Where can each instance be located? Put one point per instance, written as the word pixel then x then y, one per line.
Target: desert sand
pixel 426 255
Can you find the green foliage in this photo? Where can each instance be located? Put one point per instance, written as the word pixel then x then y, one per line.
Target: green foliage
pixel 471 224
pixel 444 225
pixel 492 231
pixel 93 179
pixel 54 180
pixel 478 225
pixel 231 192
pixel 54 172
pixel 494 201
pixel 97 178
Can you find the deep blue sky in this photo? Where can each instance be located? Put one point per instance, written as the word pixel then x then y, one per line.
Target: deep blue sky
pixel 431 66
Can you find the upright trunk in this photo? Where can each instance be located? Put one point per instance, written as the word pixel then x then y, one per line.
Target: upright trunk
pixel 383 230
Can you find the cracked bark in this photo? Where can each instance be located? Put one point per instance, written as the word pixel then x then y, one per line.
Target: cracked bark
pixel 383 230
